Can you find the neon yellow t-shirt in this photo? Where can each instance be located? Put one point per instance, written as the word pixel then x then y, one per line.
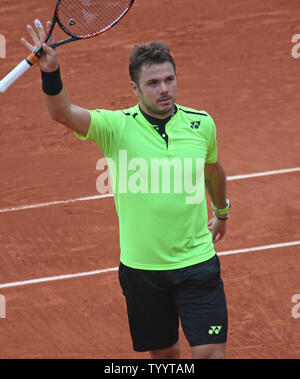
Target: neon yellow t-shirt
pixel 159 189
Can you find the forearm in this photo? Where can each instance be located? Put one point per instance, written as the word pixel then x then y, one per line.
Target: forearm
pixel 59 106
pixel 70 115
pixel 215 181
pixel 57 99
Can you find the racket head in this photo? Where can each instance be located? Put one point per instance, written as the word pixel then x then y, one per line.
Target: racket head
pixel 88 18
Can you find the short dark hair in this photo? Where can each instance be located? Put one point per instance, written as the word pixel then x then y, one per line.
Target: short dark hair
pixel 148 54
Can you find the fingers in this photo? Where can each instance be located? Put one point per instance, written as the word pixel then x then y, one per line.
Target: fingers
pixel 34 36
pixel 37 38
pixel 210 224
pixel 48 61
pixel 217 229
pixel 49 49
pixel 215 237
pixel 27 44
pixel 40 29
pixel 218 236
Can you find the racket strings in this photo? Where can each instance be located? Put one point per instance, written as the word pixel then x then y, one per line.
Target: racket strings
pixel 83 18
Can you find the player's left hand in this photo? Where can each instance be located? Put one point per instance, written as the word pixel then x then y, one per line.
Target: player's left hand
pixel 217 228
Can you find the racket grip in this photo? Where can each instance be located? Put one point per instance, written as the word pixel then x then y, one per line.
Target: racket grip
pixel 11 77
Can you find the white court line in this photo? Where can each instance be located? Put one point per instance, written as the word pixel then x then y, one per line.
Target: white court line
pixel 60 277
pixel 266 173
pixel 49 203
pixel 97 197
pixel 266 247
pixel 97 272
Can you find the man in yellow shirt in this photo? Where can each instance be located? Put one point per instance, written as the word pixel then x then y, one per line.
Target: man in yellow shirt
pixel 161 155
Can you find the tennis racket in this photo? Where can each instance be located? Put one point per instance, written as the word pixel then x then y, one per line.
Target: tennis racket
pixel 80 19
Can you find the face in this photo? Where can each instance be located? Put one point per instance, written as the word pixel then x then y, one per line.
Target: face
pixel 157 89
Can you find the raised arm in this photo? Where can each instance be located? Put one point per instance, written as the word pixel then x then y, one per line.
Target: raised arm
pixel 57 99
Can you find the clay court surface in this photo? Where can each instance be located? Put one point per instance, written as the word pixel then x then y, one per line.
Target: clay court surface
pixel 234 61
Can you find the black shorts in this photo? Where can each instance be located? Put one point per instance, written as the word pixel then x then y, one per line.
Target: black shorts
pixel 156 300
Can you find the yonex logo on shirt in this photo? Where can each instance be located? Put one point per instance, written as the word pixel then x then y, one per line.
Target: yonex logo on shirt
pixel 195 124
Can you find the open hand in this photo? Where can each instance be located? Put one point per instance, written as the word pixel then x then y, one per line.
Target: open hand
pixel 49 60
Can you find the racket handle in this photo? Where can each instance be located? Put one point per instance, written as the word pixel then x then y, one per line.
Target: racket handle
pixel 18 71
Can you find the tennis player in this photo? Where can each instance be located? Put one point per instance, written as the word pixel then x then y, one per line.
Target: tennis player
pixel 169 270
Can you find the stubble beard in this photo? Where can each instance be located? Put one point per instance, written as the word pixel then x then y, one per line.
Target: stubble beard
pixel 155 110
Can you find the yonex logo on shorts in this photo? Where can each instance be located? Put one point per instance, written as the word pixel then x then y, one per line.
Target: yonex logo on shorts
pixel 2 46
pixel 215 329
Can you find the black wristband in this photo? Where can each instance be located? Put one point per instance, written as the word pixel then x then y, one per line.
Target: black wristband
pixel 51 82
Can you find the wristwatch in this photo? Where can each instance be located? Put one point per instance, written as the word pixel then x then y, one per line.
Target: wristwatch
pixel 223 211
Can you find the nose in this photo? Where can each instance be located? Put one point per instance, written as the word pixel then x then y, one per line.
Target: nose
pixel 163 88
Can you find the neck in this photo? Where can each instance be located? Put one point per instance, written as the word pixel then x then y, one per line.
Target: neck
pixel 155 120
pixel 160 116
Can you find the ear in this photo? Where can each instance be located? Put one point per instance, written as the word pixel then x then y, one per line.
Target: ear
pixel 135 88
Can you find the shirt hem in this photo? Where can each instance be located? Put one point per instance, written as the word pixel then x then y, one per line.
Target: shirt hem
pixel 169 266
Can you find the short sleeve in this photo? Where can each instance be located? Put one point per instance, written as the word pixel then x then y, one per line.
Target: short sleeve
pixel 105 129
pixel 212 152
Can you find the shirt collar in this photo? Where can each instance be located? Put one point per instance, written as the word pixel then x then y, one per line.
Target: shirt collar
pixel 158 121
